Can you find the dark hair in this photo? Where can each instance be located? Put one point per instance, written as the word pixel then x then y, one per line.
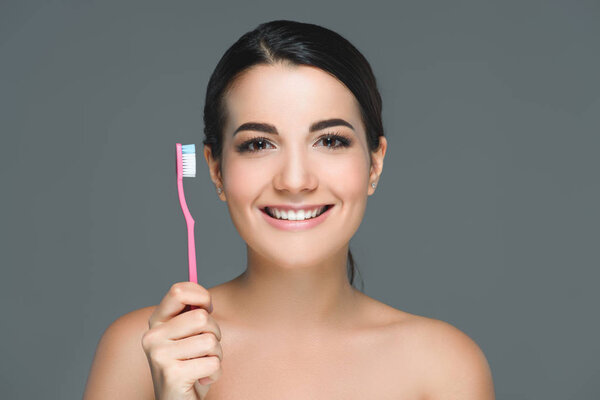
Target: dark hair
pixel 294 43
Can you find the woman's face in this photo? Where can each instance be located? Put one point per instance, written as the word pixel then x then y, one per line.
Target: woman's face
pixel 296 166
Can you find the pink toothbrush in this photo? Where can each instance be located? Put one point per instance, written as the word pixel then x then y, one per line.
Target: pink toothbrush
pixel 186 167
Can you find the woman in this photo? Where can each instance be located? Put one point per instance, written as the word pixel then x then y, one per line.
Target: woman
pixel 292 122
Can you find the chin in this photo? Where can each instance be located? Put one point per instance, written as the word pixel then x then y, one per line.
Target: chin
pixel 296 259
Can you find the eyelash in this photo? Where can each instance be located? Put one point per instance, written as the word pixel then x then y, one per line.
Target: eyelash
pixel 345 142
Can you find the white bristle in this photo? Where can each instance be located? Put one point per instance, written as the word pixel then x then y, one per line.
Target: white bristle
pixel 189 165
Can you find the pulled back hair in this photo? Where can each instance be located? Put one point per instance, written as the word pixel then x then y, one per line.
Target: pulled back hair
pixel 294 43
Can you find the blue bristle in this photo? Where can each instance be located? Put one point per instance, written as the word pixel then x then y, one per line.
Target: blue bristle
pixel 188 149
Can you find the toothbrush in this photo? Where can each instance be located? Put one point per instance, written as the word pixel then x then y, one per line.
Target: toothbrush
pixel 186 167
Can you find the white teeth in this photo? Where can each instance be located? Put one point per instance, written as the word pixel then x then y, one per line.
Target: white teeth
pixel 296 215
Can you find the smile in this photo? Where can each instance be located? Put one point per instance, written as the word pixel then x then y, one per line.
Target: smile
pixel 295 215
pixel 296 220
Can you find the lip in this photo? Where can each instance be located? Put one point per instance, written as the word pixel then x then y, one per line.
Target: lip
pixel 295 208
pixel 286 225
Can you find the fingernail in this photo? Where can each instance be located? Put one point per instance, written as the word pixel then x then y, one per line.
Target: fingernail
pixel 206 380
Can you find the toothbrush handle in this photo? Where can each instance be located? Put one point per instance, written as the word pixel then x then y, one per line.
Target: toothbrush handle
pixel 191 252
pixel 192 274
pixel 193 277
pixel 190 233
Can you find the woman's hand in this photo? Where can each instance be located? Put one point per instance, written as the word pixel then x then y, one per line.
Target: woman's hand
pixel 183 347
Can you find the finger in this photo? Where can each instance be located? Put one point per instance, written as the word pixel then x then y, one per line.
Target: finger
pixel 198 368
pixel 192 323
pixel 197 346
pixel 211 378
pixel 176 299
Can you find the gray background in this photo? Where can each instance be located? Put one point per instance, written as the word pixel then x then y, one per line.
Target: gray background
pixel 485 216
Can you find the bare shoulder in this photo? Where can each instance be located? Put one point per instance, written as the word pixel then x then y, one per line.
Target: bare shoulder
pixel 120 354
pixel 138 318
pixel 451 363
pixel 130 327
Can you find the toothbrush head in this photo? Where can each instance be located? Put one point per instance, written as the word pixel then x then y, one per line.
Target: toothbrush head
pixel 189 160
pixel 186 160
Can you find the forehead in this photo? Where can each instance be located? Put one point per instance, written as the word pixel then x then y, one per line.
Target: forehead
pixel 289 96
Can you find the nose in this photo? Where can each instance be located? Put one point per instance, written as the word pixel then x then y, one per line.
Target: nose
pixel 295 173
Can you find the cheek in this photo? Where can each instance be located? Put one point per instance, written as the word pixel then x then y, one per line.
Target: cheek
pixel 346 175
pixel 242 179
pixel 348 181
pixel 244 183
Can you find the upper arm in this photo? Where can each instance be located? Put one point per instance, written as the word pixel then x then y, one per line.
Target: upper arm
pixel 456 367
pixel 120 369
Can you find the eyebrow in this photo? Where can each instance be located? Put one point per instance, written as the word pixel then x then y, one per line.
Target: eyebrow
pixel 316 126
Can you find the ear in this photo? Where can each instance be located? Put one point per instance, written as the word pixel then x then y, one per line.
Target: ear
pixel 214 168
pixel 377 157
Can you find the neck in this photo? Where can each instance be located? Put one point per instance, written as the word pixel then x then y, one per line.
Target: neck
pixel 285 298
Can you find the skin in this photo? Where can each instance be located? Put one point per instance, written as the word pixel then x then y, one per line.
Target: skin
pixel 290 326
pixel 311 287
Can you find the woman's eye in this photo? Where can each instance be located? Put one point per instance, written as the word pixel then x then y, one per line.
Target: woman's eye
pixel 332 139
pixel 253 145
pixel 257 144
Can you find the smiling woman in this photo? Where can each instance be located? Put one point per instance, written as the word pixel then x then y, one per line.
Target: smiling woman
pixel 294 145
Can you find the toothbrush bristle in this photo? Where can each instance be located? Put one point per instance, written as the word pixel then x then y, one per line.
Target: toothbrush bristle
pixel 188 158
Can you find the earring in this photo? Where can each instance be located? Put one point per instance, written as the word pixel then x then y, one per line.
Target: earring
pixel 219 190
pixel 373 185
